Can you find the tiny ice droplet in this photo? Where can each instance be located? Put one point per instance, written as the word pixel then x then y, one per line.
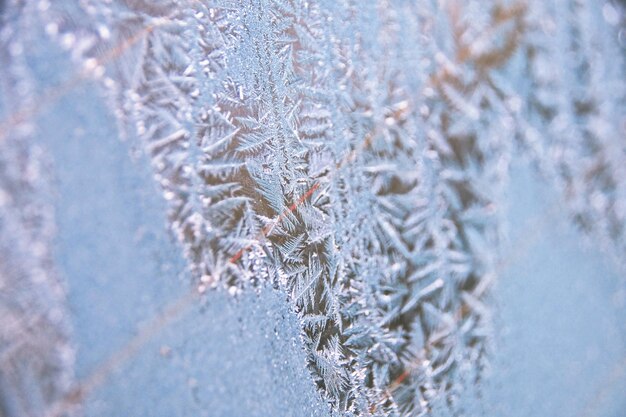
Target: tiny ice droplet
pixel 68 40
pixel 104 32
pixel 52 29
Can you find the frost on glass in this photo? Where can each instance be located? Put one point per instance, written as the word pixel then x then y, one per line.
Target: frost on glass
pixel 352 154
pixel 574 121
pixel 36 356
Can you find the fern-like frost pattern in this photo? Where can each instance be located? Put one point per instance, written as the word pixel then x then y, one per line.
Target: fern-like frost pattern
pixel 353 154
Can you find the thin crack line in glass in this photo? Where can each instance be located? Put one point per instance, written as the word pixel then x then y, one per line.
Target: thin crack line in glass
pixel 55 93
pixel 267 229
pixel 117 359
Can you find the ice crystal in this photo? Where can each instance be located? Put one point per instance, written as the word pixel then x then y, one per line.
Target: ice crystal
pixel 352 154
pixel 246 110
pixel 36 356
pixel 574 117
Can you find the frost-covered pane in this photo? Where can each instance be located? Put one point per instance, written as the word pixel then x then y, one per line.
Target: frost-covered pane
pixel 354 156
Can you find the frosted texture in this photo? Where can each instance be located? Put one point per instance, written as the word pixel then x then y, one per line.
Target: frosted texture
pixel 353 155
pixel 36 355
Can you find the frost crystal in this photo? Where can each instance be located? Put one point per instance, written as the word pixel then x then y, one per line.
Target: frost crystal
pixel 36 357
pixel 574 123
pixel 353 155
